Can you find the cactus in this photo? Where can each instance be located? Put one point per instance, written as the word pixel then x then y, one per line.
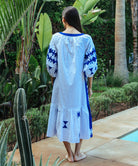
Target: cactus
pixel 22 128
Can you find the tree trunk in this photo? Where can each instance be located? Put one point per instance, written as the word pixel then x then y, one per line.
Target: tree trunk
pixel 134 10
pixel 21 65
pixel 120 69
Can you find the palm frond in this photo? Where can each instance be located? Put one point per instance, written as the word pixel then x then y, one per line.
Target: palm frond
pixel 11 12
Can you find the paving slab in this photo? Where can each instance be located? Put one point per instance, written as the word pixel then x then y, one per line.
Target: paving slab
pixel 94 161
pixel 118 150
pixel 117 124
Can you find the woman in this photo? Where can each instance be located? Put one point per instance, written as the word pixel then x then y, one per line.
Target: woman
pixel 71 59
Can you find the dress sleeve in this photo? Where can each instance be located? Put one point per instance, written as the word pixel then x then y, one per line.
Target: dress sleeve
pixel 90 60
pixel 51 61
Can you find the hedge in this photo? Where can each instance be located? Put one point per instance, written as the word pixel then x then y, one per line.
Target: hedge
pixel 128 94
pixel 131 91
pixel 98 104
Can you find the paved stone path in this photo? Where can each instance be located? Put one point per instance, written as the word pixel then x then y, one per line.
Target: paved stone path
pixel 104 149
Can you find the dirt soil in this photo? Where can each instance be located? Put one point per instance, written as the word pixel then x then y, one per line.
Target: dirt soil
pixel 116 107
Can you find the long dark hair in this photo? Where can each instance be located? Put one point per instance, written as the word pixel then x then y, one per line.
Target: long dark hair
pixel 71 16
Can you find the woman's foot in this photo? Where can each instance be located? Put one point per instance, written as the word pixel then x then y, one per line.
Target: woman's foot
pixel 79 156
pixel 70 158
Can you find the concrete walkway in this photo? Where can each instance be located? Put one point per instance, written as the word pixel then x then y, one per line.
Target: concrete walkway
pixel 104 149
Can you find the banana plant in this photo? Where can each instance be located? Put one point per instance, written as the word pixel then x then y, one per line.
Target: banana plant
pixel 11 13
pixel 44 34
pixel 87 10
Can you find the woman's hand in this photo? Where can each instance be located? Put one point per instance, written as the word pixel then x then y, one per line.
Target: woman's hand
pixel 52 80
pixel 90 86
pixel 90 92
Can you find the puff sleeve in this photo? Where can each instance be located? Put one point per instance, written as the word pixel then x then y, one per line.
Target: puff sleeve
pixel 51 61
pixel 90 60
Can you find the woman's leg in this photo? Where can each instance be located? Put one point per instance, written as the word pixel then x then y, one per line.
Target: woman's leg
pixel 77 155
pixel 69 151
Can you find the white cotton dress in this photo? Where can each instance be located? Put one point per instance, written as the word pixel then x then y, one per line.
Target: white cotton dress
pixel 71 58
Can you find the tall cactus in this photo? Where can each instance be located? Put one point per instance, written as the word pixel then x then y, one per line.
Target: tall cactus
pixel 22 128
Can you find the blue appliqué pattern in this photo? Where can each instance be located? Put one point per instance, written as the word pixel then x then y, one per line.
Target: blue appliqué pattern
pixel 65 124
pixel 52 56
pixel 78 114
pixel 90 63
pixel 52 62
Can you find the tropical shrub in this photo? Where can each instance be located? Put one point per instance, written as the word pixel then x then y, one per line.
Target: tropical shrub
pixel 116 95
pixel 98 104
pixel 131 92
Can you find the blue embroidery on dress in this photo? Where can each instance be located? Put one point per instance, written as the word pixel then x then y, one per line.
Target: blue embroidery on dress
pixel 55 71
pixel 52 55
pixel 65 124
pixel 88 105
pixel 50 50
pixel 49 58
pixel 91 71
pixel 90 57
pixel 91 135
pixel 91 53
pixel 78 114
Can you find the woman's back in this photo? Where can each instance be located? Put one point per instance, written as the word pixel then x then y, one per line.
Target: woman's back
pixel 70 53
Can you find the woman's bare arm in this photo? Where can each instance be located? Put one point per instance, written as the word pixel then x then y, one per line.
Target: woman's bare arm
pixel 90 79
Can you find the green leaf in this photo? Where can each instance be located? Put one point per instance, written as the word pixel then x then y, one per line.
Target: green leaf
pixel 11 157
pixel 42 86
pixel 56 161
pixel 3 147
pixel 7 88
pixel 91 16
pixel 87 11
pixel 34 162
pixel 33 64
pixel 1 127
pixel 79 5
pixel 40 164
pixel 37 72
pixel 44 31
pixel 90 4
pixel 47 163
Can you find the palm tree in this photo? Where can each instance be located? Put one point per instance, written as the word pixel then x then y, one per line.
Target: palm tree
pixel 11 12
pixel 120 69
pixel 134 9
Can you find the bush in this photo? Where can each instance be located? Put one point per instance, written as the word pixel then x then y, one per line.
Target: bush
pixel 98 104
pixel 128 94
pixel 116 95
pixel 131 92
pixel 38 120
